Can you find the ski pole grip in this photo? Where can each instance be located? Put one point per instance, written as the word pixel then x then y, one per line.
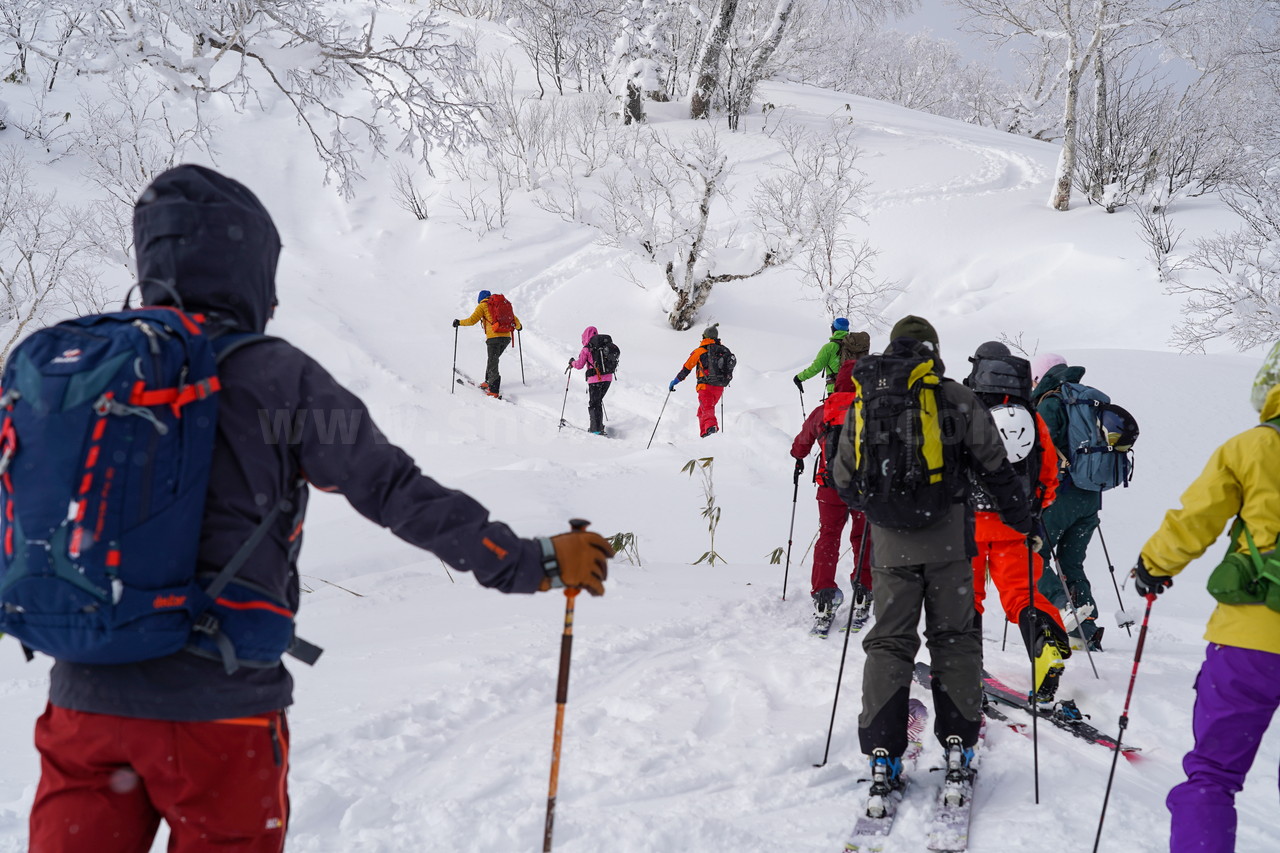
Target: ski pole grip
pixel 577 525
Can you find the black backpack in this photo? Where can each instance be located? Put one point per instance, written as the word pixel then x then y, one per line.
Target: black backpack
pixel 1000 374
pixel 904 471
pixel 718 364
pixel 605 354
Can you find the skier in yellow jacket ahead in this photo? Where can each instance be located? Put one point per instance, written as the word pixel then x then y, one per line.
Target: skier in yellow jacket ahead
pixel 494 312
pixel 1238 688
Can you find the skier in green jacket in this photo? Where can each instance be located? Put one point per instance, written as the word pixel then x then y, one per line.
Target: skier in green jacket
pixel 843 346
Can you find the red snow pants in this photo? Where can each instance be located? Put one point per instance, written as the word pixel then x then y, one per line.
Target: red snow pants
pixel 1003 552
pixel 708 397
pixel 107 781
pixel 832 515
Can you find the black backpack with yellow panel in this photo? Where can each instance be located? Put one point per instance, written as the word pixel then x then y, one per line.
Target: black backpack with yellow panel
pixel 904 472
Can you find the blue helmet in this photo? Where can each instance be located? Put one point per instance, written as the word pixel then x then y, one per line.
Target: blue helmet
pixel 840 324
pixel 483 295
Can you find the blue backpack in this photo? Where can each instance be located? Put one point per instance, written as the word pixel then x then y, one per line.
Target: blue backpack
pixel 1101 436
pixel 105 448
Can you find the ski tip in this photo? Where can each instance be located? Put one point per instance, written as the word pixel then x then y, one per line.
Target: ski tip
pixel 1132 754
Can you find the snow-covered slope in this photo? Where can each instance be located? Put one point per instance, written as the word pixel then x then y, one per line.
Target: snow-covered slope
pixel 698 704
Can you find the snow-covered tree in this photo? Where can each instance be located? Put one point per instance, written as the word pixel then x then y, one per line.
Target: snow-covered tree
pixel 309 53
pixel 46 271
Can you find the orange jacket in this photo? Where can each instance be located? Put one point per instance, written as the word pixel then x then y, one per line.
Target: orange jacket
pixel 694 362
pixel 987 525
pixel 481 315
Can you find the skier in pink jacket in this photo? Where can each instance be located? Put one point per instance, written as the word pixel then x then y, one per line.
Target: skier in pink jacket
pixel 600 358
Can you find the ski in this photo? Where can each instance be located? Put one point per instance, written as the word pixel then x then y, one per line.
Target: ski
pixel 870 834
pixel 949 825
pixel 861 616
pixel 1000 692
pixel 463 379
pixel 826 606
pixel 822 625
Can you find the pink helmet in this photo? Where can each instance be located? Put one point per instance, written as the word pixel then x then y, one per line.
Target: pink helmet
pixel 1041 363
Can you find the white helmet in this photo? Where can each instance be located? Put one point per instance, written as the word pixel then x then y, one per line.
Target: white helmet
pixel 1017 428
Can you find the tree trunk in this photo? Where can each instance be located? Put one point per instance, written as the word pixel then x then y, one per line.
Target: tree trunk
pixel 1102 172
pixel 1061 199
pixel 709 62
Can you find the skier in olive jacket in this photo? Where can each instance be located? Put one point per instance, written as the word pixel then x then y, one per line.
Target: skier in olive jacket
pixel 928 569
pixel 1238 688
pixel 179 738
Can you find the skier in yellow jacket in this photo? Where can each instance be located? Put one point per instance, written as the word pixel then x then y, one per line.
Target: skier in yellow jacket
pixel 497 336
pixel 1238 688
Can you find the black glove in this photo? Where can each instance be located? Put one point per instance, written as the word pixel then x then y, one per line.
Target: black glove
pixel 571 362
pixel 799 382
pixel 1146 583
pixel 457 323
pixel 799 470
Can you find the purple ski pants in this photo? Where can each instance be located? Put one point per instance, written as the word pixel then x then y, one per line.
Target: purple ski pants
pixel 1237 692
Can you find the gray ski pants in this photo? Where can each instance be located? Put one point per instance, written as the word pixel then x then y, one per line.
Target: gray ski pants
pixel 945 592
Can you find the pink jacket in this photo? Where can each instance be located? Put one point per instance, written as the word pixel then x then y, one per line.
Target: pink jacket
pixel 584 358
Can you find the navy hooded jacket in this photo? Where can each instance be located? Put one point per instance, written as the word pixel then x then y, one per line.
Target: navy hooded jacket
pixel 207 240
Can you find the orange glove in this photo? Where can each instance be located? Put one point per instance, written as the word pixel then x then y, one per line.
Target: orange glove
pixel 578 559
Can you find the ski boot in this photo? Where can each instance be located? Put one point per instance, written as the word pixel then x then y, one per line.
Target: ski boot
pixel 886 778
pixel 1071 618
pixel 862 599
pixel 959 781
pixel 827 601
pixel 1049 667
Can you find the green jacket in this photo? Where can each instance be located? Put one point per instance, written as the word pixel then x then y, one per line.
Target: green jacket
pixel 827 362
pixel 1051 407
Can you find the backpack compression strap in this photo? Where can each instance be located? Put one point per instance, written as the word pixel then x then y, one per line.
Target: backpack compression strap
pixel 299 648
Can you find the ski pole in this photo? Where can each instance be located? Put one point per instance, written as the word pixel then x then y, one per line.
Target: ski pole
pixel 520 348
pixel 562 697
pixel 568 377
pixel 1075 614
pixel 1124 716
pixel 659 420
pixel 804 413
pixel 1035 711
pixel 1128 621
pixel 453 383
pixel 795 496
pixel 843 653
pixel 722 415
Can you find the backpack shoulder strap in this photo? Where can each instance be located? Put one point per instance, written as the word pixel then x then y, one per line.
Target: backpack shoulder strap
pixel 1274 423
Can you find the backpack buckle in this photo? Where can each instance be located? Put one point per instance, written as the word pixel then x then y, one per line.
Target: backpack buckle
pixel 207 624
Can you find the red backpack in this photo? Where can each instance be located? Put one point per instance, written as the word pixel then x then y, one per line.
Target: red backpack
pixel 834 411
pixel 501 315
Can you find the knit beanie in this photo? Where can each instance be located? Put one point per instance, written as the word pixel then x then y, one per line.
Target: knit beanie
pixel 1040 365
pixel 483 295
pixel 916 328
pixel 712 332
pixel 1268 377
pixel 841 324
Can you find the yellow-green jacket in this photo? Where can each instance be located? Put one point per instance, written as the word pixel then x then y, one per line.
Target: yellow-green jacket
pixel 481 315
pixel 1239 479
